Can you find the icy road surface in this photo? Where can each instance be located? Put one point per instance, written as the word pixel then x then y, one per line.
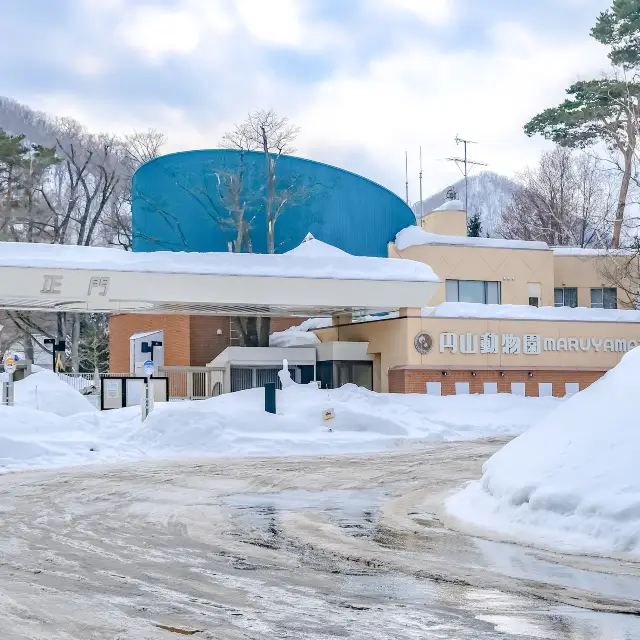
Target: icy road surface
pixel 304 548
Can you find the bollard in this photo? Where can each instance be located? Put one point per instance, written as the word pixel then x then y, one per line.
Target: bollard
pixel 270 397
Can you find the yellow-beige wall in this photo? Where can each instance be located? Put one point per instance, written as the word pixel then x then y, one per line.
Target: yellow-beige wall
pixel 513 268
pixel 392 341
pixel 446 223
pixel 587 272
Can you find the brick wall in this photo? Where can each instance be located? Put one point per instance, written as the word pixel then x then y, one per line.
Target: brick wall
pixel 406 380
pixel 189 340
pixel 206 344
pixel 176 336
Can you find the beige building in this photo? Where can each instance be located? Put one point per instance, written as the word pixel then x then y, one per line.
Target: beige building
pixel 537 320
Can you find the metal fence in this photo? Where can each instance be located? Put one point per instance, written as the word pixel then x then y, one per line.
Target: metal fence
pixel 185 383
pixel 194 383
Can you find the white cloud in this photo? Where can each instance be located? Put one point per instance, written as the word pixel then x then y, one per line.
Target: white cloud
pixel 159 32
pixel 431 12
pixel 277 22
pixel 361 118
pixel 422 95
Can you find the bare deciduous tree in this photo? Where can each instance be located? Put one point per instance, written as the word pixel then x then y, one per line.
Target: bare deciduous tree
pixel 568 199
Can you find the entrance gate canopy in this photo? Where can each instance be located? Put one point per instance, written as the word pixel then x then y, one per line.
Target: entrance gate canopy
pixel 312 280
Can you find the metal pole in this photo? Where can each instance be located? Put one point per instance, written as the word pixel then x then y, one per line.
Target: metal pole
pixel 406 176
pixel 466 183
pixel 10 390
pixel 421 205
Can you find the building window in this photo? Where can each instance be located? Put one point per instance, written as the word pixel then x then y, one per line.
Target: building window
pixel 565 297
pixel 534 302
pixel 604 298
pixel 479 291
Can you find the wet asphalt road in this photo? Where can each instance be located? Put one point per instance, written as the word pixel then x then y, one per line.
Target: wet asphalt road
pixel 308 548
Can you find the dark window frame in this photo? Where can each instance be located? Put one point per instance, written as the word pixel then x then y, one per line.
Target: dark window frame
pixel 563 291
pixel 606 302
pixel 456 283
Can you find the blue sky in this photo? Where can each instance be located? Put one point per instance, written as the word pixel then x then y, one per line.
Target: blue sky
pixel 364 79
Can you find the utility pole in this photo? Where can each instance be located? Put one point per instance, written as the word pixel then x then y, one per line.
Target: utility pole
pixel 463 164
pixel 406 177
pixel 421 205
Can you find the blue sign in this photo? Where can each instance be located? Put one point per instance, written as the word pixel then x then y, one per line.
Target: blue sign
pixel 149 367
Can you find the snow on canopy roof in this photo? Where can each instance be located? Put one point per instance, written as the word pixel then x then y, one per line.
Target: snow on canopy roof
pixel 340 267
pixel 415 236
pixel 525 312
pixel 451 205
pixel 314 248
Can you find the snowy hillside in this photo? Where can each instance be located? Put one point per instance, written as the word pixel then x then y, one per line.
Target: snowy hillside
pixel 488 193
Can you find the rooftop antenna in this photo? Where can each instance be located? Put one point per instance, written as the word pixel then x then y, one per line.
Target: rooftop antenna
pixel 421 205
pixel 463 164
pixel 406 176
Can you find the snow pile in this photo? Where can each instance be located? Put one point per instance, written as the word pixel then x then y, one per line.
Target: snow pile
pixel 313 248
pixel 236 424
pixel 44 391
pixel 301 262
pixel 527 312
pixel 586 252
pixel 415 236
pixel 451 205
pixel 572 481
pixel 300 336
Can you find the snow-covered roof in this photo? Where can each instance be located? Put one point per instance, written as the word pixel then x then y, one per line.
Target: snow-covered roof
pixel 311 247
pixel 525 312
pixel 415 236
pixel 451 205
pixel 580 251
pixel 313 264
pixel 492 312
pixel 144 334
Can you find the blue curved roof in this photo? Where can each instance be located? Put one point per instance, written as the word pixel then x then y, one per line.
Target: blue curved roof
pixel 178 205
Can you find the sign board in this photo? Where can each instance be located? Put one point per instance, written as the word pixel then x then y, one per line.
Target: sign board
pixel 328 414
pixel 10 365
pixel 148 368
pixel 423 343
pixel 112 388
pixel 527 344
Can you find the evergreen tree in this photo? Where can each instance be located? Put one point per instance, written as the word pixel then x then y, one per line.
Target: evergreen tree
pixel 619 28
pixel 474 226
pixel 597 111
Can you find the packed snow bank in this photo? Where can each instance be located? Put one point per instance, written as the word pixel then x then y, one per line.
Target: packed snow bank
pixel 44 391
pixel 236 424
pixel 572 481
pixel 299 263
pixel 415 236
pixel 313 248
pixel 527 312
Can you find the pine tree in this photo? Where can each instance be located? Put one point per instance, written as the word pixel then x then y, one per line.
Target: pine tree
pixel 603 111
pixel 474 226
pixel 619 28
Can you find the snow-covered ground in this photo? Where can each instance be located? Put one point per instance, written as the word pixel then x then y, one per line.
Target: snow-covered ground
pixel 573 480
pixel 53 425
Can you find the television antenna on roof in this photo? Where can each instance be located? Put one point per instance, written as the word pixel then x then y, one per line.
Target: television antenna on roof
pixel 463 164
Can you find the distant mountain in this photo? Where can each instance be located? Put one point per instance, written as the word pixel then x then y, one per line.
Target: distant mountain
pixel 489 193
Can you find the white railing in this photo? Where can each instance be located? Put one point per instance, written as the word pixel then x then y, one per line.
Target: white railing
pixel 185 383
pixel 83 382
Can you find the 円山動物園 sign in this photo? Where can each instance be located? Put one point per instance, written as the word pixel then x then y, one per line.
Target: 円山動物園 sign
pixel 528 344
